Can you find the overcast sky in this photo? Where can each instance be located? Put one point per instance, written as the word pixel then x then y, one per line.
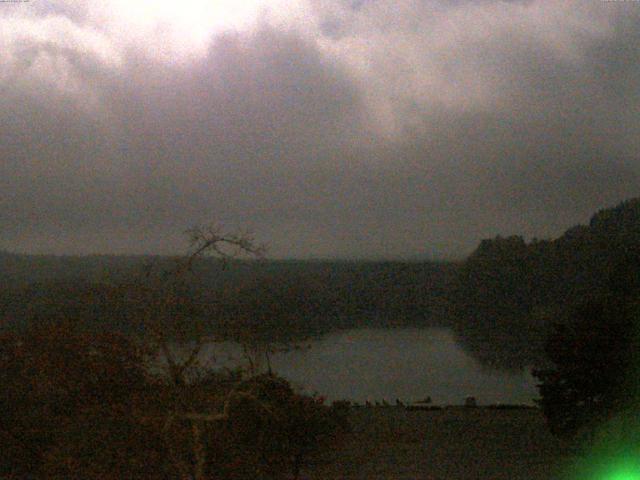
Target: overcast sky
pixel 329 128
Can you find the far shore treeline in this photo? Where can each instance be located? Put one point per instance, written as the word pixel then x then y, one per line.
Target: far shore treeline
pixel 501 301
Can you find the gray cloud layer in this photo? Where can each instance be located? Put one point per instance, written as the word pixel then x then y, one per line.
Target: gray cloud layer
pixel 335 128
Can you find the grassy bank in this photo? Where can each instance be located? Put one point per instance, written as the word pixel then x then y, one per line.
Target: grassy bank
pixel 447 444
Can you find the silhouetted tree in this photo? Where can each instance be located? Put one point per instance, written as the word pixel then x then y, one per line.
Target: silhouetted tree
pixel 507 293
pixel 594 354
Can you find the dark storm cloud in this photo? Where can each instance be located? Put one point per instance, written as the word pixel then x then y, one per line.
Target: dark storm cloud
pixel 369 130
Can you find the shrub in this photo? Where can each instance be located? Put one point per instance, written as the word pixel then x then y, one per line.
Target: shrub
pixel 593 353
pixel 272 432
pixel 55 383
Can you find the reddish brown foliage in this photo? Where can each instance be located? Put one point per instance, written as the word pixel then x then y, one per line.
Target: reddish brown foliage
pixel 62 391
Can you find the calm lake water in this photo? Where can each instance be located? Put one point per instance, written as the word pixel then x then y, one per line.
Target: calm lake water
pixel 405 363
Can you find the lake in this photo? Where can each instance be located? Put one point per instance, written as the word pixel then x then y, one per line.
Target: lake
pixel 377 363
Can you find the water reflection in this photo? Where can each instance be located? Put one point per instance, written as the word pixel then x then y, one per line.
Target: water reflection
pixel 405 363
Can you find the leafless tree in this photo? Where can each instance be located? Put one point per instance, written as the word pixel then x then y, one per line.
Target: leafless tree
pixel 161 295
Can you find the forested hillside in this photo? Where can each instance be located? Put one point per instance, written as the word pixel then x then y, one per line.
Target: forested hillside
pixel 508 292
pixel 282 297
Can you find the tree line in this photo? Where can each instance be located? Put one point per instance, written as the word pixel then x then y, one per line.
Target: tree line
pixel 509 294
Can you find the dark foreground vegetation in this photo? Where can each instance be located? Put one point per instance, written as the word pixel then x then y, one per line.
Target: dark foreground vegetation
pixel 85 406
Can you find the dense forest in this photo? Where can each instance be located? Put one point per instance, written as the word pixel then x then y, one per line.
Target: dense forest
pixel 310 296
pixel 500 301
pixel 509 293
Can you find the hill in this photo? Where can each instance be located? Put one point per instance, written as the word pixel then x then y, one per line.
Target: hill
pixel 508 292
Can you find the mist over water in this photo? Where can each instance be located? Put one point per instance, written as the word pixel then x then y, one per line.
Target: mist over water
pixel 377 363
